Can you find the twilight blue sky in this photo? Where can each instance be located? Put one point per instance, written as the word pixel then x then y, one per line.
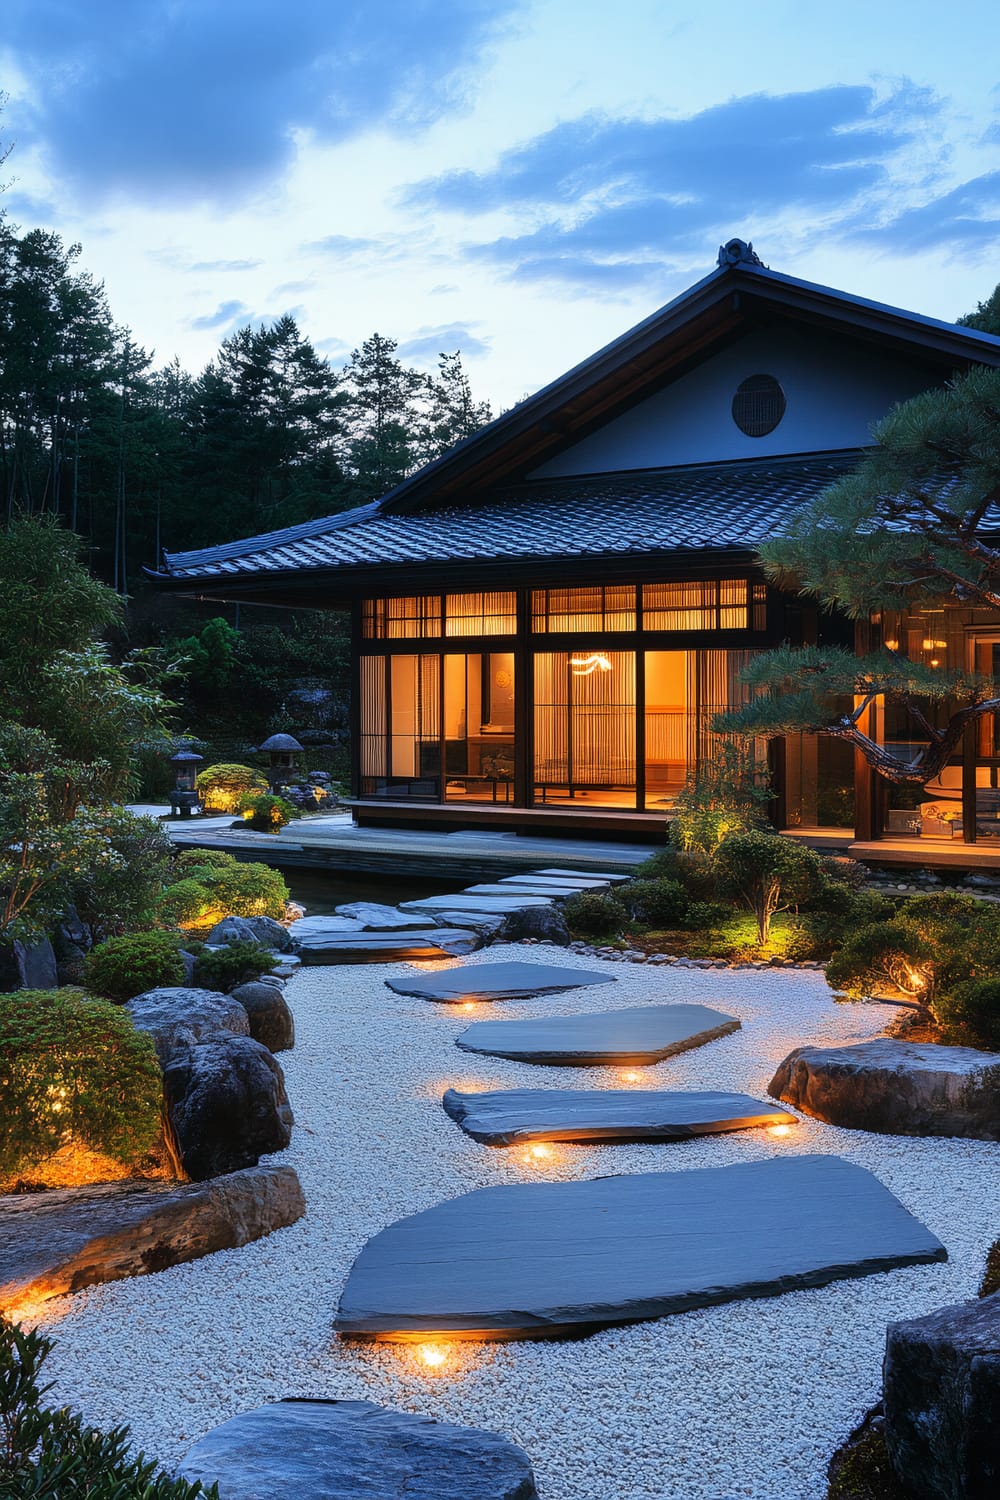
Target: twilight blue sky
pixel 523 179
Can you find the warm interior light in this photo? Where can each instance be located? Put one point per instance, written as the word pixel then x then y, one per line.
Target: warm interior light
pixel 927 644
pixel 935 662
pixel 892 645
pixel 585 666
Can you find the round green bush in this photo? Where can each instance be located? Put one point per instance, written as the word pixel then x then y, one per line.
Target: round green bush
pixel 123 967
pixel 594 913
pixel 707 916
pixel 886 958
pixel 73 1067
pixel 251 891
pixel 189 903
pixel 970 1013
pixel 221 787
pixel 657 903
pixel 203 859
pixel 225 968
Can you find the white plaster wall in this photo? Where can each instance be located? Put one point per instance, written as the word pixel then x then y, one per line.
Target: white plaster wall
pixel 836 388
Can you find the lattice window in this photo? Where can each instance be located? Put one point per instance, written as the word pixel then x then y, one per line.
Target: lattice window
pixel 480 614
pixel 572 611
pixel 414 618
pixel 709 604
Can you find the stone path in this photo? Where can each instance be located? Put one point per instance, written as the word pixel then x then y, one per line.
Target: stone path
pixel 503 981
pixel 337 946
pixel 636 1035
pixel 542 1259
pixel 509 1117
pixel 342 1450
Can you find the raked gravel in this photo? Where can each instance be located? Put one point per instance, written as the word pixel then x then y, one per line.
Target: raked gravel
pixel 748 1399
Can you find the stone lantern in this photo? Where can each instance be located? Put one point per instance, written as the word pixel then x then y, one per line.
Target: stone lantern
pixel 184 797
pixel 283 751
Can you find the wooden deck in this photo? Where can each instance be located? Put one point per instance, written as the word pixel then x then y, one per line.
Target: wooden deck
pixel 590 823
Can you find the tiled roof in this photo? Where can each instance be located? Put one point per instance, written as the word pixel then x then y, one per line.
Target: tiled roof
pixel 710 506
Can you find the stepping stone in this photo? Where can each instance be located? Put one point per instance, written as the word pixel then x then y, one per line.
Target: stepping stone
pixel 386 947
pixel 548 1259
pixel 342 1450
pixel 510 1116
pixel 374 917
pixel 324 926
pixel 558 882
pixel 60 1241
pixel 601 875
pixel 895 1088
pixel 502 981
pixel 482 921
pixel 554 892
pixel 499 906
pixel 639 1034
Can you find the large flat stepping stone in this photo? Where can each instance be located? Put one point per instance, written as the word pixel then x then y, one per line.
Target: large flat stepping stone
pixel 374 917
pixel 895 1088
pixel 355 1450
pixel 501 981
pixel 537 888
pixel 557 882
pixel 387 947
pixel 638 1034
pixel 508 1117
pixel 547 1259
pixel 601 875
pixel 500 906
pixel 307 927
pixel 58 1242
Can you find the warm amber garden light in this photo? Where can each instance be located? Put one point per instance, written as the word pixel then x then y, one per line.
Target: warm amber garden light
pixel 779 1129
pixel 434 1356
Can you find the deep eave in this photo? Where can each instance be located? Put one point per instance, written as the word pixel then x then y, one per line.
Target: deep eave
pixel 714 311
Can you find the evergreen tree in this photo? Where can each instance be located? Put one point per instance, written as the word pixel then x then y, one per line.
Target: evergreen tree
pixel 383 418
pixel 916 522
pixel 986 317
pixel 453 413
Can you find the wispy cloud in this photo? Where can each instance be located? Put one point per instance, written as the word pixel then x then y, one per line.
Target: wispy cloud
pixel 427 343
pixel 226 315
pixel 225 265
pixel 173 98
pixel 610 204
pixel 342 244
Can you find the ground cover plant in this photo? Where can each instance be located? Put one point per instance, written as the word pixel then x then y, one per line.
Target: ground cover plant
pixel 75 1069
pixel 49 1453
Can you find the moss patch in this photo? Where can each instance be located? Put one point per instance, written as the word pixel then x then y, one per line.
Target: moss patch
pixel 991 1276
pixel 860 1469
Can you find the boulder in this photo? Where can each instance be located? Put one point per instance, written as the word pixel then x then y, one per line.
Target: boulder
pixel 28 966
pixel 270 1019
pixel 227 1104
pixel 58 1242
pixel 341 1450
pixel 546 923
pixel 250 930
pixel 895 1088
pixel 179 1018
pixel 942 1402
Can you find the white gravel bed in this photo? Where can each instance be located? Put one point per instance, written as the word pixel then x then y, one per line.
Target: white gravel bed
pixel 747 1399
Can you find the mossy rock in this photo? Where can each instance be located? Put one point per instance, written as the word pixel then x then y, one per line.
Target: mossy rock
pixel 860 1468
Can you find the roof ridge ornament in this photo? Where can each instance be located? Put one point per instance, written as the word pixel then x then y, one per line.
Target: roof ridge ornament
pixel 739 253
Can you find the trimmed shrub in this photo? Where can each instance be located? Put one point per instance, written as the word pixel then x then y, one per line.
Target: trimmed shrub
pixel 189 903
pixel 595 913
pixel 225 968
pixel 50 1454
pixel 766 873
pixel 220 787
pixel 883 957
pixel 970 1014
pixel 74 1068
pixel 267 813
pixel 251 891
pixel 729 795
pixel 706 916
pixel 657 903
pixel 203 859
pixel 123 967
pixel 663 865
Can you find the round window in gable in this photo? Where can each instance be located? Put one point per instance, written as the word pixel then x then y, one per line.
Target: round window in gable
pixel 759 405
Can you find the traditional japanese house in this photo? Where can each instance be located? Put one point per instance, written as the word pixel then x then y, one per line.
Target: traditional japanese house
pixel 546 619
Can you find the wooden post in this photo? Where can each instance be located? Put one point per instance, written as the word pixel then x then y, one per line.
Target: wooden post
pixel 970 736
